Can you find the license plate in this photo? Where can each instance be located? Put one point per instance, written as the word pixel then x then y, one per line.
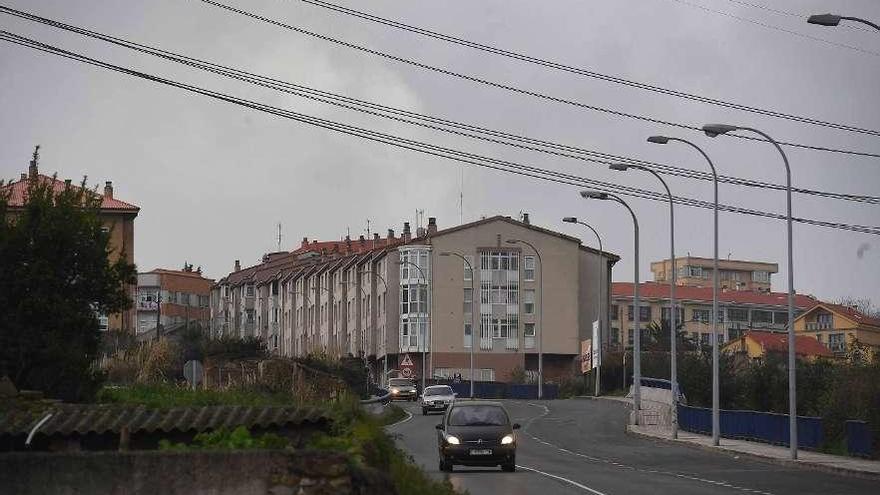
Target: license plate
pixel 481 451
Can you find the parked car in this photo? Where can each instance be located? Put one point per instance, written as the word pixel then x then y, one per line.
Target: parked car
pixel 403 389
pixel 477 433
pixel 437 398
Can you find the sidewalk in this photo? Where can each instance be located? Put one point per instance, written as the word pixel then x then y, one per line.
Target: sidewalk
pixel 848 466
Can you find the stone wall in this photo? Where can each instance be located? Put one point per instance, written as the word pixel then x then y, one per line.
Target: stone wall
pixel 189 473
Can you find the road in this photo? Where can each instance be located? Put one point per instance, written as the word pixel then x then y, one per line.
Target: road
pixel 579 446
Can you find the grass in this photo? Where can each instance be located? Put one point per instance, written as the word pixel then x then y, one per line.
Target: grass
pixel 164 396
pixel 393 413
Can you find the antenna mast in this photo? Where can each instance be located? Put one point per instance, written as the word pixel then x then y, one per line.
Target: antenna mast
pixel 279 237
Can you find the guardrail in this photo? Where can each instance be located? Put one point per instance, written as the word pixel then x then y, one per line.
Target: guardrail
pixel 379 395
pixel 753 425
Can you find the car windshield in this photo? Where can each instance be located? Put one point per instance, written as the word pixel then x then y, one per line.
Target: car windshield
pixel 438 391
pixel 399 383
pixel 478 416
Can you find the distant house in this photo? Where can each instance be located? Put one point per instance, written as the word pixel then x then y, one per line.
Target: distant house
pixel 758 345
pixel 838 326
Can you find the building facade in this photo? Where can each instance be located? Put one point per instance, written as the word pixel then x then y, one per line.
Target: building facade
pixel 411 298
pixel 839 327
pixel 733 274
pixel 117 217
pixel 738 311
pixel 172 299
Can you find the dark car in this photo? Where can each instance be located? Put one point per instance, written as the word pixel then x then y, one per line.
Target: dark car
pixel 477 433
pixel 403 389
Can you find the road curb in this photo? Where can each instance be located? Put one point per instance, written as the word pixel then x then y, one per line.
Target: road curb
pixel 852 473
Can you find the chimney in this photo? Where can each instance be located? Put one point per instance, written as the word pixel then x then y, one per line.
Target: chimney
pixel 420 232
pixel 361 240
pixel 32 169
pixel 237 265
pixel 348 243
pixel 407 236
pixel 108 190
pixel 390 234
pixel 525 219
pixel 432 225
pixel 23 176
pixel 375 237
pixel 305 242
pixel 67 182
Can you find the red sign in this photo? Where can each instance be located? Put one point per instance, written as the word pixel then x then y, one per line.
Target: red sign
pixel 407 367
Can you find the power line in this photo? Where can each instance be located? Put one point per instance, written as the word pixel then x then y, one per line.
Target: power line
pixel 777 28
pixel 422 147
pixel 513 89
pixel 578 70
pixel 426 121
pixel 789 13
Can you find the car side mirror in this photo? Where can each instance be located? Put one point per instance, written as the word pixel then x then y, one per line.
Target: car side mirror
pixel 439 427
pixel 516 426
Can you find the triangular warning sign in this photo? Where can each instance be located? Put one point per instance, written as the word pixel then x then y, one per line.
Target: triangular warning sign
pixel 406 361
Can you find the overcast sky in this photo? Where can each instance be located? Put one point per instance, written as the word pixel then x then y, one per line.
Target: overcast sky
pixel 214 179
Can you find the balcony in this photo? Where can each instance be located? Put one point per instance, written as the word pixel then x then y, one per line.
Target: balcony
pixel 146 305
pixel 819 325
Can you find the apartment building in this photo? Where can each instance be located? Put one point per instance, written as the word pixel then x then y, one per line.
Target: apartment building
pixel 173 298
pixel 733 274
pixel 116 215
pixel 838 326
pixel 738 311
pixel 387 299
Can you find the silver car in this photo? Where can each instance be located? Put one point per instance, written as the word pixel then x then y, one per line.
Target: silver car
pixel 437 398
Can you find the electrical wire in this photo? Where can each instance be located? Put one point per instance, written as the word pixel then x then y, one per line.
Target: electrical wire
pixel 514 89
pixel 425 148
pixel 426 121
pixel 578 70
pixel 795 14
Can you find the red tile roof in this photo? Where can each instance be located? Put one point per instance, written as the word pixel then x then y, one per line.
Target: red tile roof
pixel 778 342
pixel 654 290
pixel 852 313
pixel 18 194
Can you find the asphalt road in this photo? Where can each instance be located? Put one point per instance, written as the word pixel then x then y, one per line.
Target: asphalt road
pixel 579 446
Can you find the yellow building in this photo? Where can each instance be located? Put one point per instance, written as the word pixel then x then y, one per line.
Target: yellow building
pixel 839 326
pixel 757 345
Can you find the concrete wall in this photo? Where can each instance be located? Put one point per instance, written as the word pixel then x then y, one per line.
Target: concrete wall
pixel 189 473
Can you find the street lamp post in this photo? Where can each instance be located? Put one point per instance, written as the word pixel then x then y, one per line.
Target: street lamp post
pixel 473 313
pixel 384 327
pixel 540 314
pixel 716 385
pixel 637 346
pixel 672 328
pixel 599 277
pixel 421 340
pixel 834 19
pixel 713 130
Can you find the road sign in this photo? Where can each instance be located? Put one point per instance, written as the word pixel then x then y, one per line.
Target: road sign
pixel 193 372
pixel 407 367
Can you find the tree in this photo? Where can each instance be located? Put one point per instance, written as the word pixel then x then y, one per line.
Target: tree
pixel 56 277
pixel 862 305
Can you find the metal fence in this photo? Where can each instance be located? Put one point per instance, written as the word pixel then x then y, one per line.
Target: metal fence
pixel 859 440
pixel 753 425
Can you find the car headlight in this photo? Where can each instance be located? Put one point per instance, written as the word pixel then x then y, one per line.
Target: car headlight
pixel 395 391
pixel 451 440
pixel 507 439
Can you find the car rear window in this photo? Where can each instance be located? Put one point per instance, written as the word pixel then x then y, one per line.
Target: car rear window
pixel 438 391
pixel 481 415
pixel 400 383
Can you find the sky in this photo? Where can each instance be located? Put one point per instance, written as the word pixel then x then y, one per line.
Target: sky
pixel 213 180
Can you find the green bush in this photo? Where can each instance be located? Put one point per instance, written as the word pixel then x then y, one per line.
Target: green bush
pixel 164 396
pixel 223 439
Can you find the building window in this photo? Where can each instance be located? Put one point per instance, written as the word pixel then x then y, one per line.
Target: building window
pixel 250 315
pixel 760 316
pixel 824 319
pixel 780 318
pixel 613 313
pixel 529 301
pixel 679 314
pixel 629 337
pixel 644 313
pixel 249 290
pixel 837 342
pixel 615 335
pixel 468 335
pixel 468 301
pixel 203 301
pixel 761 276
pixel 487 375
pixel 468 272
pixel 737 314
pixel 693 271
pixel 529 268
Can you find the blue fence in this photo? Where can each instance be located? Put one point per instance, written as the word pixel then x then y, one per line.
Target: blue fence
pixel 859 440
pixel 499 390
pixel 753 425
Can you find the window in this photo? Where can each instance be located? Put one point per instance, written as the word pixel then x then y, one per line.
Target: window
pixel 103 323
pixel 694 271
pixel 203 301
pixel 468 272
pixel 468 335
pixel 250 315
pixel 529 268
pixel 679 314
pixel 250 290
pixel 529 330
pixel 761 276
pixel 644 313
pixel 629 337
pixel 780 318
pixel 759 316
pixel 615 335
pixel 487 375
pixel 824 319
pixel 468 301
pixel 737 314
pixel 529 301
pixel 837 342
pixel 613 313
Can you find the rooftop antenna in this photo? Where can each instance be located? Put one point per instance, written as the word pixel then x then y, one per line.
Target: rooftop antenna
pixel 279 237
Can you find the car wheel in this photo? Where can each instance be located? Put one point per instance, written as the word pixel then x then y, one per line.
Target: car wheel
pixel 445 466
pixel 510 466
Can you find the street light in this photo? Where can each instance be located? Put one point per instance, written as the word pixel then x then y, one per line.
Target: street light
pixel 540 314
pixel 637 346
pixel 834 19
pixel 421 340
pixel 601 272
pixel 716 418
pixel 713 130
pixel 473 313
pixel 672 356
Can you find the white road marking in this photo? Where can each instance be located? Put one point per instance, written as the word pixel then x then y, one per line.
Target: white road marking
pixel 560 478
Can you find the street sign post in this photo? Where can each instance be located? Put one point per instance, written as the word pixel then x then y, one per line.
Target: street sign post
pixel 407 367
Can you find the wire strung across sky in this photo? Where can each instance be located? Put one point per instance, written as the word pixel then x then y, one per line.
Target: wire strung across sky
pixel 427 121
pixel 426 148
pixel 514 89
pixel 579 70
